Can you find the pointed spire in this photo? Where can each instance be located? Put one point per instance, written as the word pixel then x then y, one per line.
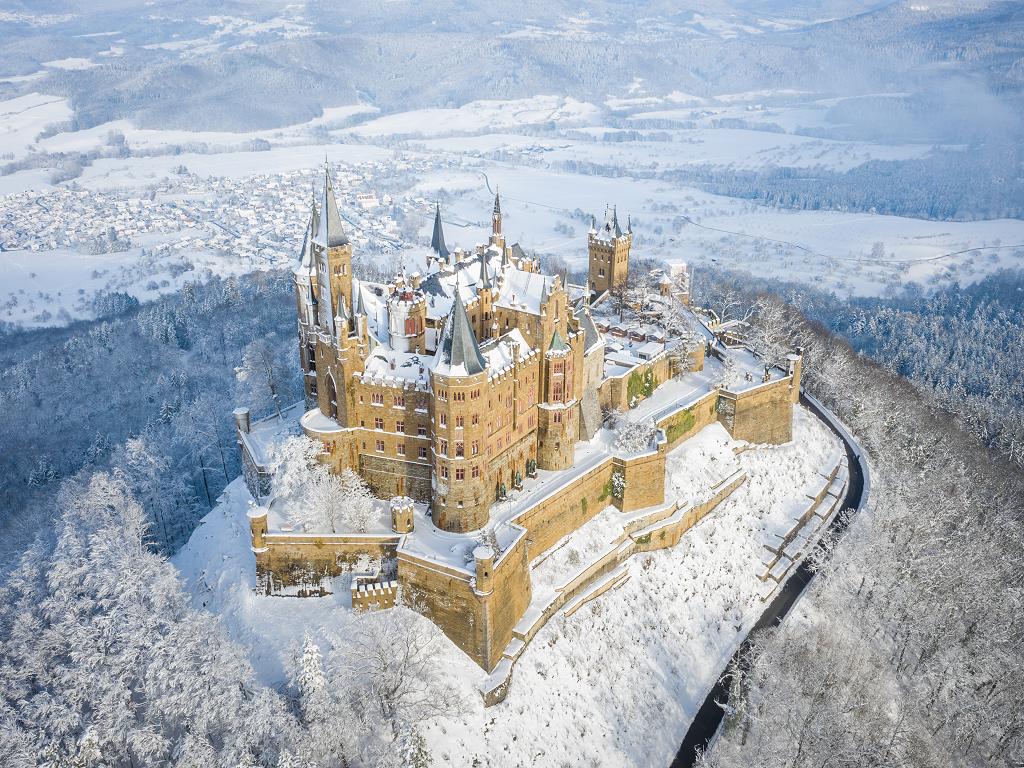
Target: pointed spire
pixel 615 222
pixel 485 276
pixel 457 348
pixel 306 266
pixel 629 225
pixel 329 231
pixel 315 212
pixel 437 240
pixel 497 203
pixel 360 307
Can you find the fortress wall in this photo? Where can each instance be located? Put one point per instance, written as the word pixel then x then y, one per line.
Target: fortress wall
pixel 508 601
pixel 761 415
pixel 566 510
pixel 614 392
pixel 296 560
pixel 645 480
pixel 446 597
pixel 685 423
pixel 670 534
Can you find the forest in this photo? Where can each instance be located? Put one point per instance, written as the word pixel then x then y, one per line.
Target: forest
pixel 906 651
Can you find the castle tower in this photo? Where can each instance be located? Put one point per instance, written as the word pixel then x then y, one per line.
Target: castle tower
pixel 485 294
pixel 407 319
pixel 333 252
pixel 557 427
pixel 461 497
pixel 497 238
pixel 304 275
pixel 401 514
pixel 608 249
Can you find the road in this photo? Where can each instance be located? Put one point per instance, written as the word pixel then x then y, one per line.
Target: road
pixel 708 718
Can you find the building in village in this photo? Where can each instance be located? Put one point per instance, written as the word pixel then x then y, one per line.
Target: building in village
pixel 455 386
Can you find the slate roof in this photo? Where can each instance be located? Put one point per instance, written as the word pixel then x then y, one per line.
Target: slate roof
pixel 458 353
pixel 329 231
pixel 437 240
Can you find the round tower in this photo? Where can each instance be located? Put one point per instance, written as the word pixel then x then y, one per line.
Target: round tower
pixel 483 558
pixel 557 425
pixel 401 514
pixel 407 319
pixel 459 381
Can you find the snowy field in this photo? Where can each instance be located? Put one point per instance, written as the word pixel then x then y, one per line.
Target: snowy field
pixel 556 161
pixel 616 683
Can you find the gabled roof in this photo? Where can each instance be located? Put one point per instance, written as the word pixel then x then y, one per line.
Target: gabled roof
pixel 437 240
pixel 591 335
pixel 458 353
pixel 329 231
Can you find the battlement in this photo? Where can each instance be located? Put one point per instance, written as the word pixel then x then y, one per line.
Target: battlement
pixel 369 594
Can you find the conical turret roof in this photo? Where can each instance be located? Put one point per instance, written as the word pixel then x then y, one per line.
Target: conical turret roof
pixel 458 353
pixel 329 231
pixel 437 240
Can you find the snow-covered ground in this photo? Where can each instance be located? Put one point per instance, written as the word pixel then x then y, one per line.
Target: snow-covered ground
pixel 555 160
pixel 616 683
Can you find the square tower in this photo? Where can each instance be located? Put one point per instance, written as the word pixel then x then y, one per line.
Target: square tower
pixel 608 248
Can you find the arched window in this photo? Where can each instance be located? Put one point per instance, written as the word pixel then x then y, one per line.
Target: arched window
pixel 332 398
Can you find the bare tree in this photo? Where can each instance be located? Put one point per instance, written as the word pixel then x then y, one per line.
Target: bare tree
pixel 391 663
pixel 262 373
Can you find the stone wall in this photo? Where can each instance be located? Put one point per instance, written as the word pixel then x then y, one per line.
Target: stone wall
pixel 616 391
pixel 446 597
pixel 644 478
pixel 763 414
pixel 393 477
pixel 507 602
pixel 686 422
pixel 285 561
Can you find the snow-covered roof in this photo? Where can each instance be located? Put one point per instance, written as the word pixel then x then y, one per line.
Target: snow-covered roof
pixel 458 353
pixel 524 291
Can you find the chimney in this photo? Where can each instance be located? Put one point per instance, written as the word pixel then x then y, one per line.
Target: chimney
pixel 242 420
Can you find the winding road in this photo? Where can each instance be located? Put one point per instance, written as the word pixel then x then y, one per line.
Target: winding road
pixel 709 717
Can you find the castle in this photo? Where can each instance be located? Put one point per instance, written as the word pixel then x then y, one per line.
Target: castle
pixel 451 389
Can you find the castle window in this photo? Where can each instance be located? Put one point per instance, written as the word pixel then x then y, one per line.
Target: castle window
pixel 556 390
pixel 377 398
pixel 399 401
pixel 421 431
pixel 401 449
pixel 460 448
pixel 380 446
pixel 475 447
pixel 476 419
pixel 399 426
pixel 532 421
pixel 556 417
pixel 443 419
pixel 423 452
pixel 600 272
pixel 460 473
pixel 460 421
pixel 508 401
pixel 476 471
pixel 443 471
pixel 442 447
pixel 378 423
pixel 442 395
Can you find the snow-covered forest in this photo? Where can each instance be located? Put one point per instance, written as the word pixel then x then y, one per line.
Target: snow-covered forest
pixel 146 391
pixel 907 650
pixel 845 175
